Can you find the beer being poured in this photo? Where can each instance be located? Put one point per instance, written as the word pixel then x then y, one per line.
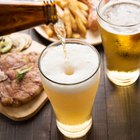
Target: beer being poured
pixel 71 92
pixel 61 33
pixel 69 70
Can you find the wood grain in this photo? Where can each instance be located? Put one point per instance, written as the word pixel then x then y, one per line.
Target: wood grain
pixel 116 113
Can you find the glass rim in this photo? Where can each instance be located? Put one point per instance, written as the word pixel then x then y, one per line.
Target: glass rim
pixel 71 41
pixel 120 26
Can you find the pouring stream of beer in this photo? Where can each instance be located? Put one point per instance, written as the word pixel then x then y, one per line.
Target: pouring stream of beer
pixel 61 34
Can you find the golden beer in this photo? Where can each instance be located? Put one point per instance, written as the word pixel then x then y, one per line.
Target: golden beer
pixel 71 94
pixel 68 107
pixel 120 31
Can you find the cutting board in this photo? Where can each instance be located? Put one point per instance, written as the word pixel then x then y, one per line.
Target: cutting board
pixel 28 110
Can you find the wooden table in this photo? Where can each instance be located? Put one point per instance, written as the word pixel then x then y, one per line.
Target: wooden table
pixel 116 113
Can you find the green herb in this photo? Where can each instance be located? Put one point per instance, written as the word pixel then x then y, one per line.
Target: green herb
pixel 22 73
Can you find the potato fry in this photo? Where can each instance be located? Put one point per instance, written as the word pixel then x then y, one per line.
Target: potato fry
pixel 76 12
pixel 73 23
pixel 82 6
pixel 76 35
pixel 48 30
pixel 82 17
pixel 62 3
pixel 85 13
pixel 81 26
pixel 67 22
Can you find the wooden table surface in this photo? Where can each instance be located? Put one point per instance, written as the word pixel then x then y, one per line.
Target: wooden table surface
pixel 116 113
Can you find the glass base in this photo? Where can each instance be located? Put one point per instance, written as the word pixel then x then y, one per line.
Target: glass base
pixel 74 131
pixel 123 78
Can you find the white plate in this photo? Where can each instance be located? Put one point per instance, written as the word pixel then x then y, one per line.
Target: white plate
pixel 91 37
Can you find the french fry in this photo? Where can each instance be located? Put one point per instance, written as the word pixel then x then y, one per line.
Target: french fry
pixel 81 26
pixel 73 23
pixel 82 17
pixel 67 22
pixel 49 31
pixel 76 12
pixel 62 3
pixel 85 13
pixel 76 35
pixel 82 6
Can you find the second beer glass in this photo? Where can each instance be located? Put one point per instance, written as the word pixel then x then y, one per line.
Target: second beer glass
pixel 119 22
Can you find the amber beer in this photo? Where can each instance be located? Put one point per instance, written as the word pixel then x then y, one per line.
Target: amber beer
pixel 120 30
pixel 71 94
pixel 20 15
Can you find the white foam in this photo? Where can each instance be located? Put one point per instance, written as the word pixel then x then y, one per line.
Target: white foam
pixel 121 13
pixel 83 59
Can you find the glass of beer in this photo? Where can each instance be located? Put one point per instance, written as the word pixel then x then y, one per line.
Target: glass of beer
pixel 119 23
pixel 70 76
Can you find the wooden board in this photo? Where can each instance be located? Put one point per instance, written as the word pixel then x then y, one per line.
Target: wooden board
pixel 30 109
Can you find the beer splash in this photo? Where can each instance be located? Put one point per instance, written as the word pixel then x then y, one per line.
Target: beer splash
pixel 61 34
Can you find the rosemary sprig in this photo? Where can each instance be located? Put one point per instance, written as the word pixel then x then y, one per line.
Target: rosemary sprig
pixel 21 74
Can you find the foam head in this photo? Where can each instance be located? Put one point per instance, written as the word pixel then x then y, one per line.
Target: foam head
pixel 83 63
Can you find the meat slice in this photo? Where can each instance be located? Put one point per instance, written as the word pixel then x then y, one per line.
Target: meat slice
pixel 13 91
pixel 3 76
pixel 12 61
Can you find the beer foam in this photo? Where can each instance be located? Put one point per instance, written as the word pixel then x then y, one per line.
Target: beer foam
pixel 121 13
pixel 83 59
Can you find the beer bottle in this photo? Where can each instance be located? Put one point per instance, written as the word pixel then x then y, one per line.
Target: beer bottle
pixel 19 15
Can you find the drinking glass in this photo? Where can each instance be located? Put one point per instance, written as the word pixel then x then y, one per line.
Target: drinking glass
pixel 119 23
pixel 70 76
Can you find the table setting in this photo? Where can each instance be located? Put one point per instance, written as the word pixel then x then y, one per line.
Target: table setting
pixel 33 99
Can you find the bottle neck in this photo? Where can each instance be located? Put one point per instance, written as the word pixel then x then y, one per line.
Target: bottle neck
pixel 50 11
pixel 19 15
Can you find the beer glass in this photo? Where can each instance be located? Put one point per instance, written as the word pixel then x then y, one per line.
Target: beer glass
pixel 119 23
pixel 70 76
